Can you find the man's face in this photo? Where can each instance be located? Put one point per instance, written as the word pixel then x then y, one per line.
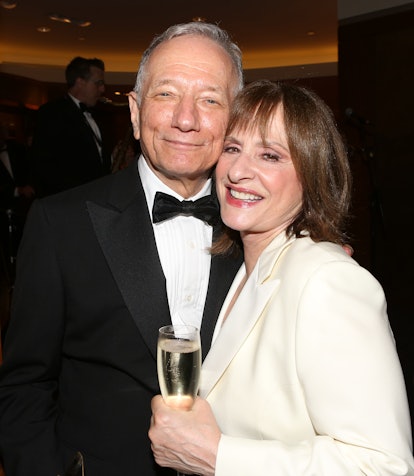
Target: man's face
pixel 186 95
pixel 90 90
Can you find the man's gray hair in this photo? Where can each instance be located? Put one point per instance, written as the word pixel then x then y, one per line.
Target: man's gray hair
pixel 207 30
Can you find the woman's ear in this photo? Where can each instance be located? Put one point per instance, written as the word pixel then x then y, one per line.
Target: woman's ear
pixel 134 111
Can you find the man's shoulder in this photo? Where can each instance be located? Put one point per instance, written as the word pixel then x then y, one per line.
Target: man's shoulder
pixel 94 190
pixel 62 103
pixel 16 147
pixel 116 188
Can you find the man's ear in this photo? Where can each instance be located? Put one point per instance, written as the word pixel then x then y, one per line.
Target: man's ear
pixel 134 111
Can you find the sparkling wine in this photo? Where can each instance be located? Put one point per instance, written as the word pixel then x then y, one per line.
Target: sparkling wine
pixel 179 363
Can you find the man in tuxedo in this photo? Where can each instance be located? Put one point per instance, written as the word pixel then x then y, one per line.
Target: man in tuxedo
pixel 16 190
pixel 68 148
pixel 98 273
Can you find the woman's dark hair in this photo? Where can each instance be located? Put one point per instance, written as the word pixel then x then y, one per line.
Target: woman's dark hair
pixel 318 154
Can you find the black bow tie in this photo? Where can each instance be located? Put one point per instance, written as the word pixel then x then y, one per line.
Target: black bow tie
pixel 84 108
pixel 166 206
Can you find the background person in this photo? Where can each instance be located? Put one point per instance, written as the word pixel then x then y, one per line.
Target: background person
pixel 96 278
pixel 303 376
pixel 16 190
pixel 125 151
pixel 16 196
pixel 68 148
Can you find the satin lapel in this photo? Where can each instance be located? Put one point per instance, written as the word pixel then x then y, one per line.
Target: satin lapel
pixel 247 310
pixel 82 126
pixel 222 272
pixel 125 234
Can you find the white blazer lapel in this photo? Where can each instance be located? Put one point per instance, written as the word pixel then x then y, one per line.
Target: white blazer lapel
pixel 237 327
pixel 257 291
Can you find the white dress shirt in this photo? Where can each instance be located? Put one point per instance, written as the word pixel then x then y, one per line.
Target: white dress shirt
pixel 183 244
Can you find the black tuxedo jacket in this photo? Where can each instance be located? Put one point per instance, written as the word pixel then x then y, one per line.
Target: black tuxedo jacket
pixel 79 365
pixel 64 152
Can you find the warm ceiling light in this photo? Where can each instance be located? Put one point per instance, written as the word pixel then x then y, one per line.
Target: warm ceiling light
pixel 74 21
pixel 81 23
pixel 43 29
pixel 57 17
pixel 8 4
pixel 311 33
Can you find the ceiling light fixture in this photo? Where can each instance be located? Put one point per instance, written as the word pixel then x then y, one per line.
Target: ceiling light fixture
pixel 60 18
pixel 64 19
pixel 81 23
pixel 8 4
pixel 43 29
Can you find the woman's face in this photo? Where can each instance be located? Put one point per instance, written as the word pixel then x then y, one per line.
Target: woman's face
pixel 257 185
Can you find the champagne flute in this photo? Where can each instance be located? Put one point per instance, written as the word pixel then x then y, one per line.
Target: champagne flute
pixel 179 364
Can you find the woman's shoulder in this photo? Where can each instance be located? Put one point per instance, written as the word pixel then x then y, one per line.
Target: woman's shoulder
pixel 308 261
pixel 306 247
pixel 305 255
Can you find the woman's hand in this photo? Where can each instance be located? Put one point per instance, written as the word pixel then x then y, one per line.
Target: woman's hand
pixel 348 249
pixel 184 440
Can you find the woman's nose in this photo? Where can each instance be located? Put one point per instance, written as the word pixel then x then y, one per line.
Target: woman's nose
pixel 241 168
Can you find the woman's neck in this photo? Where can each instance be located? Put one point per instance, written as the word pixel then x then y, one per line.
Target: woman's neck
pixel 253 246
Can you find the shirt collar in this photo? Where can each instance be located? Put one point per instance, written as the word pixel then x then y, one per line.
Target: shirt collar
pixel 152 184
pixel 75 100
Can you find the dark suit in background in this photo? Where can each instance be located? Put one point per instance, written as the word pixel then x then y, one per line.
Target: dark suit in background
pixel 64 150
pixel 16 195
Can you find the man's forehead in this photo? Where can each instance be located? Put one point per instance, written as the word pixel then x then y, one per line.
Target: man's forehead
pixel 190 49
pixel 190 58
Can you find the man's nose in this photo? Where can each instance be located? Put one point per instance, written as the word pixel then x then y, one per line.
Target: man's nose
pixel 186 115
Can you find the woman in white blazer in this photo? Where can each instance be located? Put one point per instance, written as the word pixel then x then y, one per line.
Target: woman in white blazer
pixel 303 377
